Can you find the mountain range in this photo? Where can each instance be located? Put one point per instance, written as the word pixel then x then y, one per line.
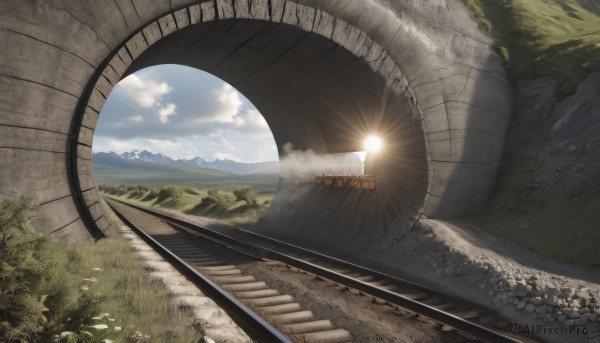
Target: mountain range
pixel 225 166
pixel 144 167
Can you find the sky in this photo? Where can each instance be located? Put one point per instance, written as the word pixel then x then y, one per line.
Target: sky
pixel 183 112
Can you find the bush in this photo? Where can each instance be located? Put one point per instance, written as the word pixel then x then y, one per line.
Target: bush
pixel 152 195
pixel 169 192
pixel 247 195
pixel 36 294
pixel 219 201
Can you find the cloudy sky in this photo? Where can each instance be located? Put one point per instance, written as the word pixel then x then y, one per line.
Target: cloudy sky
pixel 183 112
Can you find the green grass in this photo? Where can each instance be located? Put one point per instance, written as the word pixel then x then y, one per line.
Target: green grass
pixel 237 213
pixel 555 38
pixel 130 298
pixel 559 220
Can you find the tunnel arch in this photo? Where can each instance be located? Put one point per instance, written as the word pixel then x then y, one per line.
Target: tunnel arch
pixel 442 83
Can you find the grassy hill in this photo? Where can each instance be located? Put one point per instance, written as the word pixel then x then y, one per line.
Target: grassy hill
pixel 555 38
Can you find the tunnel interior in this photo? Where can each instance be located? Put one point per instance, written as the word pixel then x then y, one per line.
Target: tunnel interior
pixel 318 96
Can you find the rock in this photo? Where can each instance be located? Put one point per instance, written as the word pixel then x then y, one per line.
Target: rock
pixel 206 340
pixel 574 315
pixel 535 294
pixel 537 301
pixel 520 305
pixel 567 292
pixel 584 319
pixel 541 309
pixel 552 300
pixel 593 317
pixel 569 322
pixel 568 310
pixel 553 291
pixel 561 318
pixel 522 290
pixel 531 308
pixel 493 280
pixel 574 303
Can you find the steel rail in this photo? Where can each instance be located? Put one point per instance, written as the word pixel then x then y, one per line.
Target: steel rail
pixel 446 318
pixel 256 327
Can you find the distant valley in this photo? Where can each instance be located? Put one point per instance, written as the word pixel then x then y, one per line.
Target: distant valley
pixel 144 167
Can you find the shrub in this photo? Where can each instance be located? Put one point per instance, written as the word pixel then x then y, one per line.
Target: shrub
pixel 169 192
pixel 36 294
pixel 216 199
pixel 246 194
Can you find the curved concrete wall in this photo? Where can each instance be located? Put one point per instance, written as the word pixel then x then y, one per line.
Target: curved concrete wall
pixel 322 73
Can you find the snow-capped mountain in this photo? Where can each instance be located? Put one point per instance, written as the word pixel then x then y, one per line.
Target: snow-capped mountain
pixel 147 156
pixel 225 166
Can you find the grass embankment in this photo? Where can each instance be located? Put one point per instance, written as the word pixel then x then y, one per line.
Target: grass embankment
pixel 555 38
pixel 235 206
pixel 48 288
pixel 552 212
pixel 558 220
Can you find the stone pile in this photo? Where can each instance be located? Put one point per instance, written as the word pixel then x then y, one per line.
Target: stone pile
pixel 535 292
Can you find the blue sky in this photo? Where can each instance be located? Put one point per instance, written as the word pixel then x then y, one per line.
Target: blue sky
pixel 183 112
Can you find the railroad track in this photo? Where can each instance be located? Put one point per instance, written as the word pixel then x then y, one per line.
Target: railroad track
pixel 272 317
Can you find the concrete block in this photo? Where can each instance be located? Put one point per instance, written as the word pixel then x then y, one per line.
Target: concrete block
pixel 182 18
pixel 96 101
pixel 84 151
pixel 84 167
pixel 323 24
pixel 259 9
pixel 103 224
pixel 277 7
pixel 242 11
pixel 209 12
pixel 195 14
pixel 299 15
pixel 225 9
pixel 90 118
pixel 86 136
pixel 167 24
pixel 103 86
pixel 87 181
pixel 96 210
pixel 91 196
pixel 137 44
pixel 152 33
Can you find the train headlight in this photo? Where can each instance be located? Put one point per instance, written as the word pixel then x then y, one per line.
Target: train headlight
pixel 373 144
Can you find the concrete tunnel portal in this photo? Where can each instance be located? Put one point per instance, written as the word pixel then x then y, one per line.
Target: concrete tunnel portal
pixel 323 74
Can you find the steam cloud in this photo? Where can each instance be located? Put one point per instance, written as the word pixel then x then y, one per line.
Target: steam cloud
pixel 300 166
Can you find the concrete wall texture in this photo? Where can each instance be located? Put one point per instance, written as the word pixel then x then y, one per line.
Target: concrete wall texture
pixel 323 73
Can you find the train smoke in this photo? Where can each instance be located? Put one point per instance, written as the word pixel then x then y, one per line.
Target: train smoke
pixel 301 166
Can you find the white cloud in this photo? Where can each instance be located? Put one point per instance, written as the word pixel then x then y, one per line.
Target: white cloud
pixel 166 111
pixel 228 106
pixel 144 91
pixel 136 119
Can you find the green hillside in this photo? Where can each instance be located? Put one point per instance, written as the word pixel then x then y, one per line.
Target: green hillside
pixel 555 38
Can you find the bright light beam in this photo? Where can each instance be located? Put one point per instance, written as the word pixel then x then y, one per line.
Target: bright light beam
pixel 373 144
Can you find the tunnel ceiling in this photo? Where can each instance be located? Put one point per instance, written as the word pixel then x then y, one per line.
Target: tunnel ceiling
pixel 324 74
